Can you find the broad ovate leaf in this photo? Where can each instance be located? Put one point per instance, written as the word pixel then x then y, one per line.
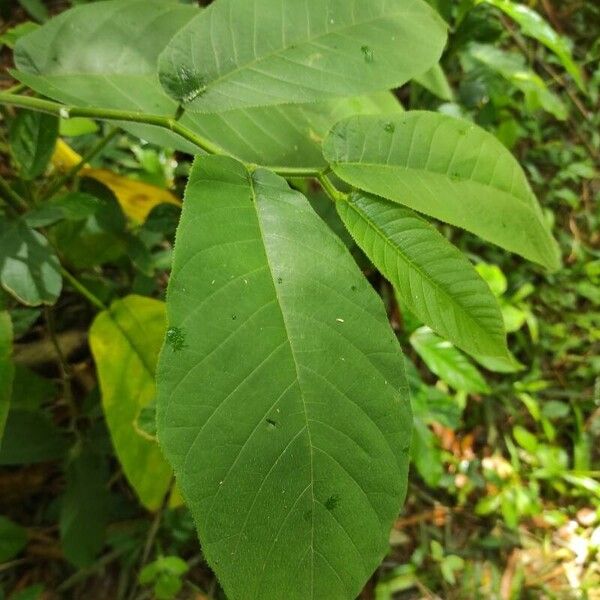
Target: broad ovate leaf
pixel 125 341
pixel 448 363
pixel 431 276
pixel 282 400
pixel 240 53
pixel 29 268
pixel 446 168
pixel 118 71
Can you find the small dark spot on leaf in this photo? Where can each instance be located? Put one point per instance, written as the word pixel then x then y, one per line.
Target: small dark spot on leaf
pixel 271 424
pixel 367 53
pixel 175 338
pixel 390 127
pixel 332 502
pixel 279 280
pixel 233 317
pixel 353 288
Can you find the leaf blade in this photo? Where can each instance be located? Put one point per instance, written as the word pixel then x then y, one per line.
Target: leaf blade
pixel 261 52
pixel 446 168
pixel 432 277
pixel 125 341
pixel 255 452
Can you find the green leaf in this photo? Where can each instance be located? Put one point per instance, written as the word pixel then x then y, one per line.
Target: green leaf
pixel 448 363
pixel 36 8
pixel 431 277
pixel 13 538
pixel 446 168
pixel 240 53
pixel 84 508
pixel 7 369
pixel 436 82
pixel 534 26
pixel 125 341
pixel 101 74
pixel 32 141
pixel 75 206
pixel 512 67
pixel 29 438
pixel 426 454
pixel 284 412
pixel 29 268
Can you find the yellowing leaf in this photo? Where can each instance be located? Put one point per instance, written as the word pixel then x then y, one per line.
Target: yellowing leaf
pixel 137 199
pixel 125 342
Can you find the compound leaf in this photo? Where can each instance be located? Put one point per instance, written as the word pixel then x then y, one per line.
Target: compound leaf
pixel 446 168
pixel 286 414
pixel 125 342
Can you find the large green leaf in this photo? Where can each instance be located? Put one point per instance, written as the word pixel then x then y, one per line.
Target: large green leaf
pixel 7 368
pixel 29 268
pixel 125 342
pixel 431 277
pixel 241 53
pixel 449 169
pixel 448 363
pixel 533 25
pixel 116 68
pixel 282 401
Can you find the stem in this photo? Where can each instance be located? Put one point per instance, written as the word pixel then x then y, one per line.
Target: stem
pixel 79 287
pixel 65 369
pixel 71 173
pixel 126 116
pixel 329 188
pixel 12 198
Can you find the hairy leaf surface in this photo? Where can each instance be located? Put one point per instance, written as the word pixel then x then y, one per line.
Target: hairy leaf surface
pixel 125 342
pixel 116 68
pixel 285 414
pixel 449 169
pixel 241 53
pixel 431 276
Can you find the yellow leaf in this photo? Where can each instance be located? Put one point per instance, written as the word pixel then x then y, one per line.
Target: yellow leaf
pixel 137 199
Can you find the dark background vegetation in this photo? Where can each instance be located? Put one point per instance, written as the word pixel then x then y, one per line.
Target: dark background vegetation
pixel 504 499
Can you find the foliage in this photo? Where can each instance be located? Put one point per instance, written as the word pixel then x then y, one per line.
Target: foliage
pixel 328 224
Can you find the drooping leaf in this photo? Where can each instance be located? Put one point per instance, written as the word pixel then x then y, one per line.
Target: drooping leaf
pixel 29 268
pixel 114 71
pixel 449 169
pixel 431 277
pixel 284 412
pixel 29 438
pixel 448 363
pixel 32 139
pixel 7 368
pixel 240 53
pixel 13 538
pixel 84 507
pixel 533 25
pixel 512 67
pixel 125 341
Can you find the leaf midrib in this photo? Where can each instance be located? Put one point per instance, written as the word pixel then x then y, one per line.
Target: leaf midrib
pixel 255 201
